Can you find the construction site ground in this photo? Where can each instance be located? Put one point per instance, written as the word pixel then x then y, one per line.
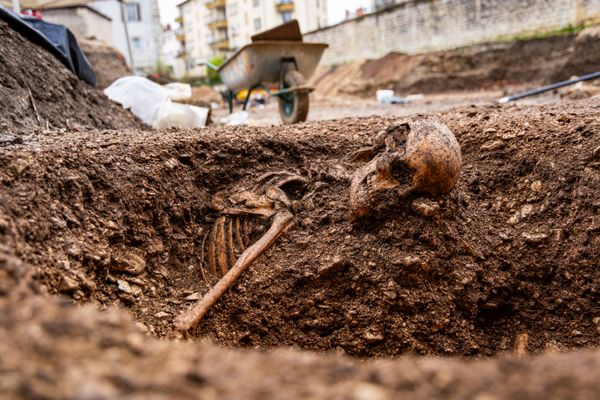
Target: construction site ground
pixel 488 292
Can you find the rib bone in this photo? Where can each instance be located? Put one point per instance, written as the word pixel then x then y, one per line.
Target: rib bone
pixel 189 319
pixel 221 245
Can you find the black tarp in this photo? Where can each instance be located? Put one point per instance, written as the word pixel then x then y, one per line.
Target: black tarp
pixel 57 39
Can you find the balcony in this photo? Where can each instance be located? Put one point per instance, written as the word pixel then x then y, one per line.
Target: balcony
pixel 215 4
pixel 284 6
pixel 218 23
pixel 220 44
pixel 180 38
pixel 179 20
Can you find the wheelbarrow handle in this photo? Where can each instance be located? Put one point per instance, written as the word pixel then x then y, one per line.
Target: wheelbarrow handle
pixel 209 65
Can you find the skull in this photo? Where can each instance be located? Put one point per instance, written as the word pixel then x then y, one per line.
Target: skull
pixel 418 155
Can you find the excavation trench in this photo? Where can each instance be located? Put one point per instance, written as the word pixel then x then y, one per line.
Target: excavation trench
pixel 121 218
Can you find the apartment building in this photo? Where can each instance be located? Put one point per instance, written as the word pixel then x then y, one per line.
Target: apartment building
pixel 247 17
pixel 143 27
pixel 170 50
pixel 220 27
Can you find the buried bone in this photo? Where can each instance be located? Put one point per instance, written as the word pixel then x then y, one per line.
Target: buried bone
pixel 418 155
pixel 189 319
pixel 232 228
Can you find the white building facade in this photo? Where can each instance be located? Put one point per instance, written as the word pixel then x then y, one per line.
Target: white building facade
pixel 170 50
pixel 143 28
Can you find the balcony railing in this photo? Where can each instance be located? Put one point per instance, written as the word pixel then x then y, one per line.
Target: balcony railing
pixel 218 23
pixel 215 4
pixel 220 44
pixel 284 6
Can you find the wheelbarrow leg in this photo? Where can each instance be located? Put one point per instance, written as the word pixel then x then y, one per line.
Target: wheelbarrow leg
pixel 230 101
pixel 249 94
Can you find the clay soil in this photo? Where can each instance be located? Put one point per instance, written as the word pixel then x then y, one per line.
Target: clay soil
pixel 118 218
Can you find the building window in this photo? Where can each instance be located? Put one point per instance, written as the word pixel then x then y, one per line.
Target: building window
pixel 255 3
pixel 132 10
pixel 136 43
pixel 286 16
pixel 257 24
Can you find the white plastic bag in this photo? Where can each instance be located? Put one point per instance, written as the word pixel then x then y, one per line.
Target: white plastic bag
pixel 180 115
pixel 151 102
pixel 178 91
pixel 141 95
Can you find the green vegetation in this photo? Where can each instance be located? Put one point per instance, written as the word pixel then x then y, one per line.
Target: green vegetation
pixel 564 31
pixel 213 76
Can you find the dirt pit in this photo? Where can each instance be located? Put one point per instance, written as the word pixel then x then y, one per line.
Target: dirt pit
pixel 120 218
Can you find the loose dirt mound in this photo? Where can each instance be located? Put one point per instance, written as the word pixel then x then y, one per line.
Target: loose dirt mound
pixel 120 219
pixel 584 55
pixel 203 96
pixel 109 65
pixel 485 66
pixel 32 79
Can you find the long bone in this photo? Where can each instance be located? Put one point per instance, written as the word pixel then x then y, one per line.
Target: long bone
pixel 189 319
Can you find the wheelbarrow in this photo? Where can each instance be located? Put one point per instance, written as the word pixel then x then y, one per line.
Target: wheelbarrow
pixel 287 63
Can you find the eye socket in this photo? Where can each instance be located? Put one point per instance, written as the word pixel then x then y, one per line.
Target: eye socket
pixel 401 172
pixel 397 136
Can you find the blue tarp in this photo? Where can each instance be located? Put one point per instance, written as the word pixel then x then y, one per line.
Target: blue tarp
pixel 57 39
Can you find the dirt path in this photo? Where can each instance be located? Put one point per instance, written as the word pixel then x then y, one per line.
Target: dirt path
pixel 323 108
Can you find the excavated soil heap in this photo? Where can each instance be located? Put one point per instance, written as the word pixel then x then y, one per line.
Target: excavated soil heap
pixel 484 66
pixel 583 56
pixel 120 217
pixel 109 65
pixel 32 79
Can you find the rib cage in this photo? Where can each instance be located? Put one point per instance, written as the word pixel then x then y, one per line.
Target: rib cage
pixel 226 240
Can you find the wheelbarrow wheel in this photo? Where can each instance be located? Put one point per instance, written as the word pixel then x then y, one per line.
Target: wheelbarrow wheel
pixel 293 107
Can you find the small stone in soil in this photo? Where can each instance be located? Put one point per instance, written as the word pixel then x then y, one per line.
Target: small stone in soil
pixel 337 265
pixel 68 284
pixel 129 263
pixel 534 238
pixel 161 314
pixel 125 287
pixel 425 207
pixel 194 296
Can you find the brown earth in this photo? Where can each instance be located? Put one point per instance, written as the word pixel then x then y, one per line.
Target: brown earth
pixel 109 65
pixel 43 85
pixel 118 218
pixel 485 66
pixel 54 350
pixel 204 96
pixel 583 55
